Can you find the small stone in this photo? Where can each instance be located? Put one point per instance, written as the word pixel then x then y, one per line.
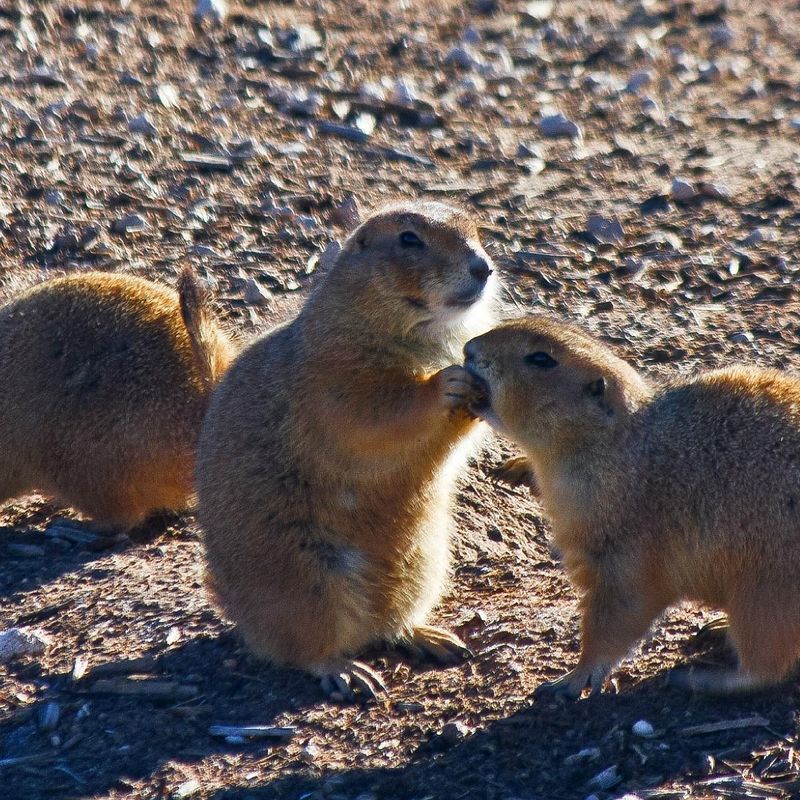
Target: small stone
pixel 715 191
pixel 309 753
pixel 525 150
pixel 132 223
pixel 759 235
pixel 405 92
pixel 643 728
pixel 639 80
pixel 256 294
pixel 49 716
pixel 555 125
pixel 606 779
pixel 187 789
pixel 212 10
pixel 682 190
pixel 539 10
pixel 587 754
pixel 721 36
pixel 454 732
pixel 651 109
pixel 606 230
pixel 463 57
pixel 16 642
pixel 742 337
pixel 204 251
pixel 142 124
pixel 167 95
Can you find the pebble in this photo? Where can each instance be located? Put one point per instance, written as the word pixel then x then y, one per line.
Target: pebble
pixel 587 754
pixel 142 124
pixel 682 190
pixel 49 715
pixel 462 56
pixel 167 95
pixel 606 230
pixel 755 237
pixel 558 125
pixel 256 294
pixel 539 10
pixel 606 779
pixel 187 788
pixel 643 728
pixel 716 191
pixel 21 642
pixel 132 223
pixel 455 732
pixel 213 10
pixel 651 108
pixel 525 150
pixel 405 92
pixel 639 80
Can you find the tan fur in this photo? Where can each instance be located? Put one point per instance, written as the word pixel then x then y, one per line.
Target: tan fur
pixel 322 485
pixel 688 491
pixel 101 393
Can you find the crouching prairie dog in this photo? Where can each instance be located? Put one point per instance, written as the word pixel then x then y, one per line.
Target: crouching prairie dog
pixel 689 490
pixel 104 380
pixel 328 452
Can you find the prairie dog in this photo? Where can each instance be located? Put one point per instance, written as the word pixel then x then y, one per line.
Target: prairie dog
pixel 104 380
pixel 327 455
pixel 686 491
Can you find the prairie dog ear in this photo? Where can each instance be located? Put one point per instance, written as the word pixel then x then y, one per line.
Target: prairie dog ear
pixel 348 214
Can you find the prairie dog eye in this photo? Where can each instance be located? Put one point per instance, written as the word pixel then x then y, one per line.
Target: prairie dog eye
pixel 410 239
pixel 541 360
pixel 596 388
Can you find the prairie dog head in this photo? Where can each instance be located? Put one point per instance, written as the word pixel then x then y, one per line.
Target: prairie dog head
pixel 550 387
pixel 419 270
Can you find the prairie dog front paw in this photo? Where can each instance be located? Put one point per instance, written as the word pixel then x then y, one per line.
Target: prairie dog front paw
pixel 456 387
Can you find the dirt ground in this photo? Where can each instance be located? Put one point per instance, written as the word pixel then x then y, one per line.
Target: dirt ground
pixel 132 140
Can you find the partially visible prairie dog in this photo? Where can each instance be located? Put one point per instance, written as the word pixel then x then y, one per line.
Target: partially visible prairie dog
pixel 104 380
pixel 688 491
pixel 327 455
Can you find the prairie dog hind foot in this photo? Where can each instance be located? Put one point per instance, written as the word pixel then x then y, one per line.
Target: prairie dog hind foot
pixel 344 679
pixel 429 643
pixel 572 684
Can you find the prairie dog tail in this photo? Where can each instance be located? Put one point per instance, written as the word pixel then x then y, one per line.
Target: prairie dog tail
pixel 211 349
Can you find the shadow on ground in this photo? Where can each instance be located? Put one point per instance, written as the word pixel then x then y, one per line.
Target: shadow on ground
pixel 527 755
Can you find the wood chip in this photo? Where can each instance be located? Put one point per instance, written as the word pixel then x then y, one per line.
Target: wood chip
pixel 252 731
pixel 726 725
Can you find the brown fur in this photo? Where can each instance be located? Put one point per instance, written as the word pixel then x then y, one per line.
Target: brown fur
pixel 321 481
pixel 102 393
pixel 689 491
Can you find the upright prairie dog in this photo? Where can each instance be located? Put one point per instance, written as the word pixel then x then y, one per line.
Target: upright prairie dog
pixel 328 452
pixel 686 491
pixel 104 380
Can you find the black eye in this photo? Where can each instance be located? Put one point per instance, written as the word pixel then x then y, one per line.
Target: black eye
pixel 596 388
pixel 541 359
pixel 410 239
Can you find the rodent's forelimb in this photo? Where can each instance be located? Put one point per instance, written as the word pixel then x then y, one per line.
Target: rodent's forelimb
pixel 404 412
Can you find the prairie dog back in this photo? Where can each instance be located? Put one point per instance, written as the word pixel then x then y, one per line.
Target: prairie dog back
pixel 102 392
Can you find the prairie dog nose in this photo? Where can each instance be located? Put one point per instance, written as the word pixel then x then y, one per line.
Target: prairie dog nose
pixel 479 269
